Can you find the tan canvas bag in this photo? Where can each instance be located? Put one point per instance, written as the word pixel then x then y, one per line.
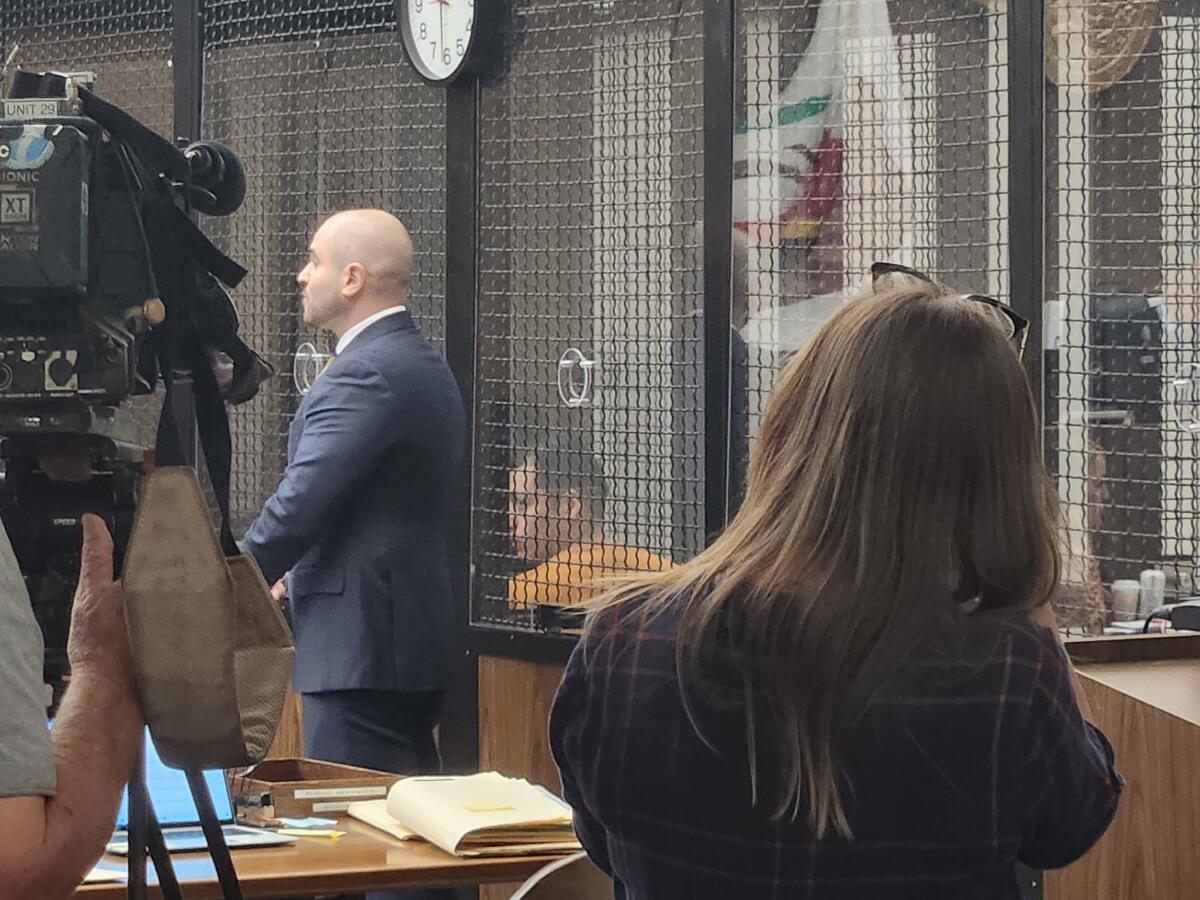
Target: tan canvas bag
pixel 211 649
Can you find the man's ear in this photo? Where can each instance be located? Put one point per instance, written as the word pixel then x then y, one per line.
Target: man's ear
pixel 354 280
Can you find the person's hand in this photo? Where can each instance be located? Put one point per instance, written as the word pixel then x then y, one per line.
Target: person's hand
pixel 222 369
pixel 279 590
pixel 98 643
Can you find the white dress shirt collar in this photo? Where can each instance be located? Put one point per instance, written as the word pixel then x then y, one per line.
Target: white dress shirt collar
pixel 355 330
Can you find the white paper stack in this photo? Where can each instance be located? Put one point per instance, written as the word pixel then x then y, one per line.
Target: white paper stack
pixel 473 815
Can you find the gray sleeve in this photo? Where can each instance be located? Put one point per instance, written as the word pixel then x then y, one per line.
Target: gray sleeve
pixel 26 755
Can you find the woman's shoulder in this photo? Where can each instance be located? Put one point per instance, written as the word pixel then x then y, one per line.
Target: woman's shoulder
pixel 1011 622
pixel 638 631
pixel 646 614
pixel 1010 638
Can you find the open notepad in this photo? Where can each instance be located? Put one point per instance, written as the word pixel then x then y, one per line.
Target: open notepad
pixel 473 815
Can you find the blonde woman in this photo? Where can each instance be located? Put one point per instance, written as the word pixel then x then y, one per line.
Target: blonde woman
pixel 847 696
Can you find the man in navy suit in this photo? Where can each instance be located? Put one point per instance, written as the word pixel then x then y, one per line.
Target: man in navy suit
pixel 360 518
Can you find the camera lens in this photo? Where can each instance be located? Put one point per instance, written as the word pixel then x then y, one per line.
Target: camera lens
pixel 6 376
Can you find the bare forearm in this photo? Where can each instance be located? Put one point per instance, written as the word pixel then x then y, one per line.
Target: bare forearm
pixel 95 738
pixel 96 734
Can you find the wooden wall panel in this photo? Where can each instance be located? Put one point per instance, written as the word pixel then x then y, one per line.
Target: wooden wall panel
pixel 289 739
pixel 514 709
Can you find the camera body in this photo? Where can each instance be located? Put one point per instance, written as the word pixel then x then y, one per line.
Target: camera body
pixel 107 288
pixel 75 269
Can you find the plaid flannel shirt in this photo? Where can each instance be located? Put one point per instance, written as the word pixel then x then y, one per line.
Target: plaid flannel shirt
pixel 973 759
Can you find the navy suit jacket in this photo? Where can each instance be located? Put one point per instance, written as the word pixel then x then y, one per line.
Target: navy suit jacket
pixel 361 516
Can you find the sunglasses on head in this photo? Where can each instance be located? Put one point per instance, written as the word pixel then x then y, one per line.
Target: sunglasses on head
pixel 1014 326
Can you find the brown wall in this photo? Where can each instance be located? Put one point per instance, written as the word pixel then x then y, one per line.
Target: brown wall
pixel 289 739
pixel 514 708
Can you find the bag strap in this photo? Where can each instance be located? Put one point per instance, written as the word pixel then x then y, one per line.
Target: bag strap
pixel 204 251
pixel 212 423
pixel 163 157
pixel 160 153
pixel 212 420
pixel 213 836
pixel 176 344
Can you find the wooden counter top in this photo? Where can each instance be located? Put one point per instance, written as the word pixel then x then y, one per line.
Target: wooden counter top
pixel 364 859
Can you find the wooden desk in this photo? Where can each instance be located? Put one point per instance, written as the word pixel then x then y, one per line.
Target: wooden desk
pixel 363 860
pixel 1145 696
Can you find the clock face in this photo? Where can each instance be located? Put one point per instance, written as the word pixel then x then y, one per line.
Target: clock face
pixel 438 35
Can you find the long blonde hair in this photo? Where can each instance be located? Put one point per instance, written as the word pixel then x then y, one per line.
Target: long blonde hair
pixel 897 469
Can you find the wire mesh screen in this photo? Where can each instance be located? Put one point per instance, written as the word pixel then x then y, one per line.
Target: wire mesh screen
pixel 589 445
pixel 127 44
pixel 1124 222
pixel 326 114
pixel 867 130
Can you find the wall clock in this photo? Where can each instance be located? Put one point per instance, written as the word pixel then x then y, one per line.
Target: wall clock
pixel 442 37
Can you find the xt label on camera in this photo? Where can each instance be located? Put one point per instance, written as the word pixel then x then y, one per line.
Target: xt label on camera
pixel 16 207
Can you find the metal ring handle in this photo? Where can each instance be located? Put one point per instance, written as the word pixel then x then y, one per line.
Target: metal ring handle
pixel 307 366
pixel 571 393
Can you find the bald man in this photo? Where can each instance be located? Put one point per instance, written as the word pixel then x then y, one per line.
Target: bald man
pixel 361 514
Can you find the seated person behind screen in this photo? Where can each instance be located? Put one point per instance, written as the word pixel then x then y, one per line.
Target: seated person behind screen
pixel 806 709
pixel 555 515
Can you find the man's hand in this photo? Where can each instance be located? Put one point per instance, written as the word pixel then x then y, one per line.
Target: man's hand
pixel 222 369
pixel 279 590
pixel 51 842
pixel 98 644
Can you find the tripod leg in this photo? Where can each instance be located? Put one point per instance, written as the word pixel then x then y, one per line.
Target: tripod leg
pixel 167 882
pixel 230 889
pixel 138 822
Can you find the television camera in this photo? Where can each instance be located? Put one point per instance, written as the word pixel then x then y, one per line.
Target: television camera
pixel 107 289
